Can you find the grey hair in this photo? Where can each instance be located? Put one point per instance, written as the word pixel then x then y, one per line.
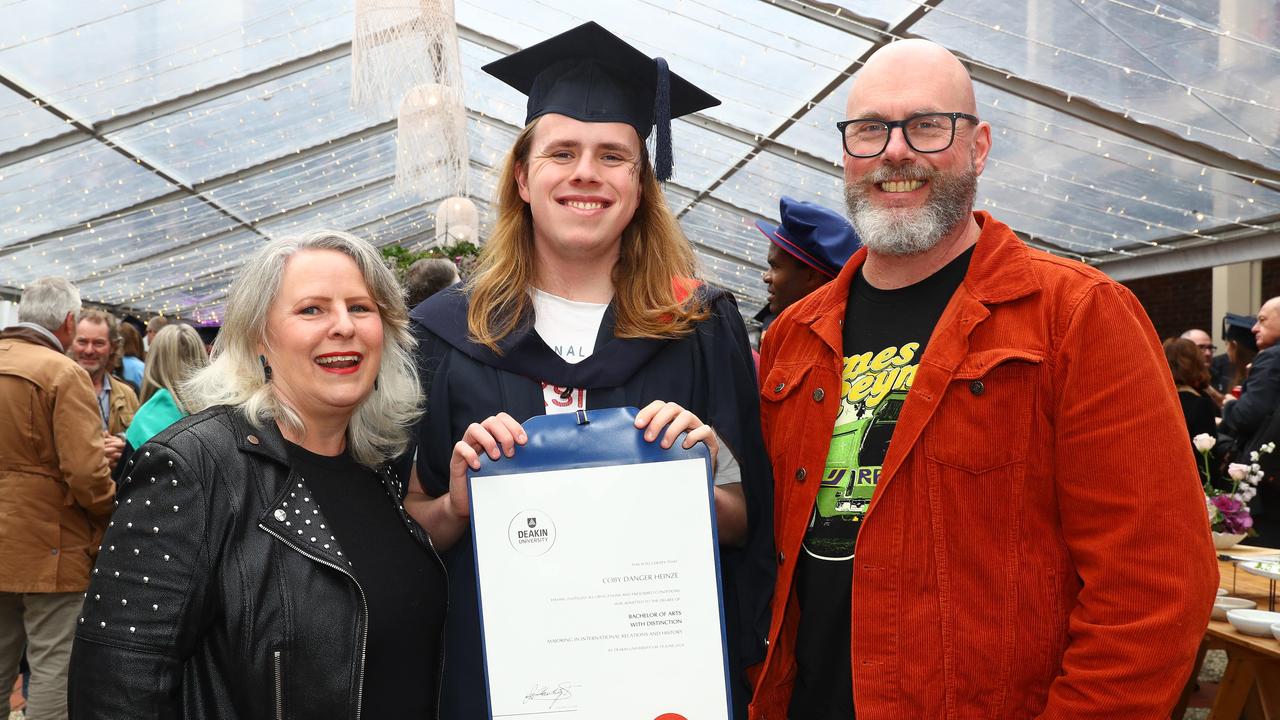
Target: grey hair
pixel 47 302
pixel 176 353
pixel 380 427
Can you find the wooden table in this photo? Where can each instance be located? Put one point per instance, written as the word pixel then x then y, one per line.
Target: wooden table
pixel 1251 686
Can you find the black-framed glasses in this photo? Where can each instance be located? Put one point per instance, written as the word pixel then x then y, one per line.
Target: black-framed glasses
pixel 927 133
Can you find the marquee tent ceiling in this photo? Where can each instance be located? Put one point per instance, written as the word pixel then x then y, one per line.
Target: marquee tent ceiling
pixel 147 146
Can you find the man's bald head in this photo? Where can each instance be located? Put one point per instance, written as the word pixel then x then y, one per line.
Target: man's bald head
pixel 915 63
pixel 1267 329
pixel 905 201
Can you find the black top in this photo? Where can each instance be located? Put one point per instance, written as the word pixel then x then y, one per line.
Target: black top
pixel 885 334
pixel 709 372
pixel 403 585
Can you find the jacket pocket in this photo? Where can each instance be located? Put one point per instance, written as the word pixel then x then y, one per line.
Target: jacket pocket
pixel 984 420
pixel 783 409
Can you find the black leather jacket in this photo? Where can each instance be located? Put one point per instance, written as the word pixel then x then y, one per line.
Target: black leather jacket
pixel 219 591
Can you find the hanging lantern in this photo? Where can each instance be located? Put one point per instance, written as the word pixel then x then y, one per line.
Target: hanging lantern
pixel 431 142
pixel 457 220
pixel 398 45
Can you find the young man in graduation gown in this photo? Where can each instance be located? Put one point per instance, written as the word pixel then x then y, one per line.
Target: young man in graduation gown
pixel 584 299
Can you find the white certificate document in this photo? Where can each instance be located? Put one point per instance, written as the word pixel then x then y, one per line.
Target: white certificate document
pixel 599 593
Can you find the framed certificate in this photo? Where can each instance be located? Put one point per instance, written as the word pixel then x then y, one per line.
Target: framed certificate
pixel 598 571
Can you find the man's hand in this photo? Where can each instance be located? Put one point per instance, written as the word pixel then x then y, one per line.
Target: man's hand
pixel 113 446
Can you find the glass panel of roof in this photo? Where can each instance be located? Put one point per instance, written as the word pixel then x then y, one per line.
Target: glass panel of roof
pixel 22 123
pixel 139 283
pixel 343 213
pixel 241 130
pixel 762 182
pixel 727 232
pixel 95 60
pixel 702 156
pixel 109 245
pixel 1088 187
pixel 68 186
pixel 815 131
pixel 1174 69
pixel 349 166
pixel 891 12
pixel 761 61
pixel 202 300
pixel 484 92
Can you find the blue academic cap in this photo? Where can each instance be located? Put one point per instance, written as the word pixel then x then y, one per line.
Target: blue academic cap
pixel 820 238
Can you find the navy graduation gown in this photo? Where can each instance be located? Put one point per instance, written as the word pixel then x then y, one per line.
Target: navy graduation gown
pixel 709 372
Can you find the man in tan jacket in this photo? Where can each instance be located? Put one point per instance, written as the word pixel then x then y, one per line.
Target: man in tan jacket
pixel 98 347
pixel 55 493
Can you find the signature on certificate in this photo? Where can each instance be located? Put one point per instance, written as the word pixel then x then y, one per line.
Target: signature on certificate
pixel 550 694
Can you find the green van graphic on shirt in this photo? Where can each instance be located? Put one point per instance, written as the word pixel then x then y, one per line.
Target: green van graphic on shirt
pixel 875 386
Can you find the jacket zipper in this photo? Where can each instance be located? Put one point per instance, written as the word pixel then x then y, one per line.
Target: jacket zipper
pixel 279 677
pixel 364 605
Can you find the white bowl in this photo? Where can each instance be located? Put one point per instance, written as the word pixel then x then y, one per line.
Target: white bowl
pixel 1225 541
pixel 1275 630
pixel 1253 622
pixel 1223 604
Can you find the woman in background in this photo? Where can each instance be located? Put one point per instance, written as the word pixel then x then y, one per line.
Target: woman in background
pixel 131 364
pixel 176 353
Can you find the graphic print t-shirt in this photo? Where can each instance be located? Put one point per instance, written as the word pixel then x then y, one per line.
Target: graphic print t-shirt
pixel 885 334
pixel 569 328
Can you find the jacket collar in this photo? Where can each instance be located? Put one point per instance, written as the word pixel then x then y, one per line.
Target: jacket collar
pixel 265 440
pixel 32 333
pixel 997 272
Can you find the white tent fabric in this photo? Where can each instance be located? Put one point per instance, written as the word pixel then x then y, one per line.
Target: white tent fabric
pixel 145 147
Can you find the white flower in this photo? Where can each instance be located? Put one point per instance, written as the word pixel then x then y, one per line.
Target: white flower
pixel 1204 442
pixel 1238 472
pixel 1246 493
pixel 1253 456
pixel 1269 447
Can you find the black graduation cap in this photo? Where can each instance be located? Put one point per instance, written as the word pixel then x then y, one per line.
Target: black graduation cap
pixel 1240 328
pixel 592 75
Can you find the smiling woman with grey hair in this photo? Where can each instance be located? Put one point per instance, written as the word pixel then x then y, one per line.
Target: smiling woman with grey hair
pixel 258 565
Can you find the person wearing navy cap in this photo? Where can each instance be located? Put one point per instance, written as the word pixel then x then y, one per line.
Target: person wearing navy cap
pixel 586 297
pixel 807 250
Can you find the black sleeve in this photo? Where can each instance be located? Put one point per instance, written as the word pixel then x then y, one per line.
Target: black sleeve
pixel 433 435
pixel 1244 417
pixel 147 602
pixel 735 414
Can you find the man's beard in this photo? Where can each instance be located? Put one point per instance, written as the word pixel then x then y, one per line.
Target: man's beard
pixel 908 231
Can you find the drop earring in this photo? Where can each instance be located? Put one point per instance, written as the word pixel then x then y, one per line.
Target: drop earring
pixel 266 369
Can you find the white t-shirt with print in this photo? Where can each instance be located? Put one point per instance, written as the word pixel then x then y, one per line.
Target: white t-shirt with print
pixel 570 328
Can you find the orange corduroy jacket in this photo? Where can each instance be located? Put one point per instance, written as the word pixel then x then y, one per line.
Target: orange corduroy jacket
pixel 1037 546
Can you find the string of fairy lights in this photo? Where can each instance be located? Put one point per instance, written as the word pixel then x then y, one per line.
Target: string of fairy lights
pixel 726 231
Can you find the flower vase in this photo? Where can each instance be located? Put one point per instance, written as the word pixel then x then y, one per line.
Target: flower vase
pixel 1225 541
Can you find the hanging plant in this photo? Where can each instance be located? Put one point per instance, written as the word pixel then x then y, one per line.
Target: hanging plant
pixel 464 254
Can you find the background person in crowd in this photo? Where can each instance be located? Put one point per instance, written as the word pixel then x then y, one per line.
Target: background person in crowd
pixel 132 357
pixel 55 493
pixel 258 564
pixel 1204 344
pixel 806 250
pixel 427 277
pixel 1241 349
pixel 1247 419
pixel 584 299
pixel 153 327
pixel 1186 362
pixel 938 429
pixel 176 354
pixel 96 347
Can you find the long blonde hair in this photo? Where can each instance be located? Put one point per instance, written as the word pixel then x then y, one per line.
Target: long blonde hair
pixel 177 352
pixel 380 427
pixel 653 278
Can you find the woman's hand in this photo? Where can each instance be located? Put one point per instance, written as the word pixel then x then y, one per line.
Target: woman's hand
pixel 658 414
pixel 497 436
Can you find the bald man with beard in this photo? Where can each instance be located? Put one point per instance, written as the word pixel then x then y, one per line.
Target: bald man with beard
pixel 965 514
